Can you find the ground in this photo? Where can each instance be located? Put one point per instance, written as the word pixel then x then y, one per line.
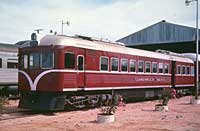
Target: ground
pixel 181 116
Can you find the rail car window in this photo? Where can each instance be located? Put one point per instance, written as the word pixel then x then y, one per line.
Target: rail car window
pixel 34 60
pixel 178 69
pixel 104 63
pixel 154 67
pixel 114 64
pixel 24 61
pixel 12 63
pixel 192 70
pixel 124 65
pixel 160 67
pixel 80 62
pixel 147 67
pixel 132 66
pixel 188 70
pixel 69 60
pixel 183 70
pixel 0 63
pixel 140 66
pixel 166 68
pixel 47 60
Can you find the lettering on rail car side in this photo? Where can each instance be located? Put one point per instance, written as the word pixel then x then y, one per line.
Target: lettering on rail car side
pixel 149 79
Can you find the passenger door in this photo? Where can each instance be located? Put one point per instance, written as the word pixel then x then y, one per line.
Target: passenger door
pixel 80 71
pixel 173 72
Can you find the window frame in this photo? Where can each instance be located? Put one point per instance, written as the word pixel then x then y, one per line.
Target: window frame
pixel 83 62
pixel 177 72
pixel 142 67
pixel 52 60
pixel 188 68
pixel 183 71
pixel 22 66
pixel 162 68
pixel 100 63
pixel 166 64
pixel 149 62
pixel 12 62
pixel 74 60
pixel 39 66
pixel 153 63
pixel 192 72
pixel 123 59
pixel 132 60
pixel 1 63
pixel 112 62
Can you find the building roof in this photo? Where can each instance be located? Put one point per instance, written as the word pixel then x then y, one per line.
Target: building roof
pixel 105 46
pixel 8 47
pixel 161 32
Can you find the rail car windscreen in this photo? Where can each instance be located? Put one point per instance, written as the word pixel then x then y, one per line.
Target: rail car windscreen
pixel 47 60
pixel 24 61
pixel 34 60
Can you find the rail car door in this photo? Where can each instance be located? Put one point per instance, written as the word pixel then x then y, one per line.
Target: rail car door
pixel 173 70
pixel 81 71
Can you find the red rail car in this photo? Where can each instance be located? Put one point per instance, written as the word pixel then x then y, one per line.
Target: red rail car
pixel 62 67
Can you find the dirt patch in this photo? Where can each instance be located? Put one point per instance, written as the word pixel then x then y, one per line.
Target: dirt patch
pixel 133 117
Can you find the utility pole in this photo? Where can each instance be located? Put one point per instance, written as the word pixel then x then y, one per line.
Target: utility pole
pixel 67 23
pixel 187 2
pixel 38 30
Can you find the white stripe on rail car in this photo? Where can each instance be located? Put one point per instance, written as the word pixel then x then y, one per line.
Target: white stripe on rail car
pixel 33 84
pixel 184 85
pixel 28 78
pixel 126 73
pixel 70 89
pixel 124 87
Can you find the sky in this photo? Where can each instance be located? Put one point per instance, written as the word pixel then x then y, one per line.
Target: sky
pixel 108 19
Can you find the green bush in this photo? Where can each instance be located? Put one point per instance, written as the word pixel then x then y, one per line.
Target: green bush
pixel 108 110
pixel 165 96
pixel 110 107
pixel 3 101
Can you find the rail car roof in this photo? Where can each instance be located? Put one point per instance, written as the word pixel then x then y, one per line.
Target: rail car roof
pixel 191 56
pixel 106 46
pixel 8 48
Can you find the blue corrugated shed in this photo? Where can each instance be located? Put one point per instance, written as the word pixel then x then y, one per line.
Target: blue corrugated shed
pixel 161 32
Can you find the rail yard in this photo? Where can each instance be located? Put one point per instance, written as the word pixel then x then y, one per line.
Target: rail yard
pixel 102 65
pixel 181 116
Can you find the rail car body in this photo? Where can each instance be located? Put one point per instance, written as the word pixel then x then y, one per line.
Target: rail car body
pixel 8 69
pixel 61 67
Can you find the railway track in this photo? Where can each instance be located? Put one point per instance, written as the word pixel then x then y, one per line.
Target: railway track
pixel 13 112
pixel 15 115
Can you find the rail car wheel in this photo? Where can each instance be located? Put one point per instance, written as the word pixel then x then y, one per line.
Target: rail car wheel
pixel 88 101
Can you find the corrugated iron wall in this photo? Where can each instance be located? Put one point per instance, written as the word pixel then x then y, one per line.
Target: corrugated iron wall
pixel 162 32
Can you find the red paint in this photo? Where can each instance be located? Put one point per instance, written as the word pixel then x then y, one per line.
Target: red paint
pixel 58 81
